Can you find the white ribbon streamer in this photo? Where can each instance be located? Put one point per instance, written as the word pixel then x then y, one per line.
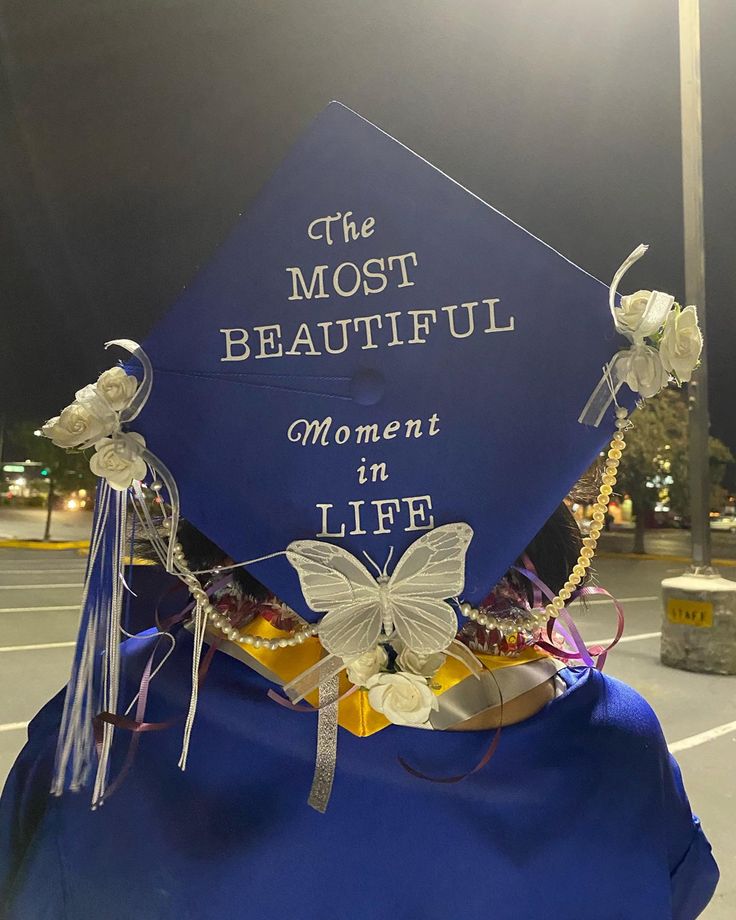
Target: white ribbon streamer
pixel 76 740
pixel 158 467
pixel 111 663
pixel 632 258
pixel 144 388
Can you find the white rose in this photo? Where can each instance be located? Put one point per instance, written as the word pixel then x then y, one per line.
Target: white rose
pixel 631 312
pixel 97 407
pixel 405 699
pixel 642 369
pixel 368 664
pixel 681 343
pixel 119 460
pixel 85 421
pixel 414 663
pixel 117 388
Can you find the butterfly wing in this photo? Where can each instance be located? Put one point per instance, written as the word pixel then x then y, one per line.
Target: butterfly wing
pixel 431 570
pixel 352 629
pixel 434 565
pixel 333 580
pixel 329 575
pixel 424 625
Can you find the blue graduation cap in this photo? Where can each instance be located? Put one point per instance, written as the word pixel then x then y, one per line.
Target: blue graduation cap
pixel 375 351
pixel 375 364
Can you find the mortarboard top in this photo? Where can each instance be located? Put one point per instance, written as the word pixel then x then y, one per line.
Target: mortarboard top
pixel 375 351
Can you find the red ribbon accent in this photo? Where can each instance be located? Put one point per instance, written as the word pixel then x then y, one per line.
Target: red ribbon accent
pixel 490 751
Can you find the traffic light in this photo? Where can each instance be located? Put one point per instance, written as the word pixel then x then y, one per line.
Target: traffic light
pixel 45 471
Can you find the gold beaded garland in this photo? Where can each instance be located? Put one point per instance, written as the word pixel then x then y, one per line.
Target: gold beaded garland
pixel 600 506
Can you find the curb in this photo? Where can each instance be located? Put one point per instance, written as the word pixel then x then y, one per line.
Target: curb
pixel 81 546
pixel 44 544
pixel 656 557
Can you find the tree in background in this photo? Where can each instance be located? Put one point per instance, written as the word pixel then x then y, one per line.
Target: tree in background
pixel 656 460
pixel 68 470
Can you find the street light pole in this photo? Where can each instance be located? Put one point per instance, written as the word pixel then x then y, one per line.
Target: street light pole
pixel 700 607
pixel 692 196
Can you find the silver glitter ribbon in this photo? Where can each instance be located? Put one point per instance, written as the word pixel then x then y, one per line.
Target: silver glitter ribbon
pixel 324 767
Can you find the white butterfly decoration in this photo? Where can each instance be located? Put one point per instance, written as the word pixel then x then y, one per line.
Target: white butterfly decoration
pixel 412 602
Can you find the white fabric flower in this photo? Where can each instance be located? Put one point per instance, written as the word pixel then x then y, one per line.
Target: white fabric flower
pixel 97 407
pixel 642 369
pixel 630 313
pixel 681 343
pixel 119 460
pixel 414 663
pixel 405 699
pixel 117 388
pixel 369 663
pixel 85 421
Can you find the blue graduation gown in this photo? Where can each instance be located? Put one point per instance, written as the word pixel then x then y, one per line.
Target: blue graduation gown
pixel 581 812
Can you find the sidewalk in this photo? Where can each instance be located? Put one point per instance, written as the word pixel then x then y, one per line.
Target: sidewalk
pixel 23 524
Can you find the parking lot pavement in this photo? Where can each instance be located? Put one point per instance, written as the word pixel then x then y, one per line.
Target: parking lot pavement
pixel 40 592
pixel 30 524
pixel 669 542
pixel 39 611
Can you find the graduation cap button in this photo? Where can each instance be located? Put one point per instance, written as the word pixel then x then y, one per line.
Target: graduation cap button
pixel 367 386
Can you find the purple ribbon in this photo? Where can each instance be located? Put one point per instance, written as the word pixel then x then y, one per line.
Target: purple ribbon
pixel 571 633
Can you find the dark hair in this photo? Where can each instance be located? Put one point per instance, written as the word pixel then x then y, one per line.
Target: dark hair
pixel 202 553
pixel 553 551
pixel 556 547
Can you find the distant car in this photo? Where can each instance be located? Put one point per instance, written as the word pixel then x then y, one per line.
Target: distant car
pixel 669 519
pixel 723 523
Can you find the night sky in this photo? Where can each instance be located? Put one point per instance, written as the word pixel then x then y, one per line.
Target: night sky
pixel 133 134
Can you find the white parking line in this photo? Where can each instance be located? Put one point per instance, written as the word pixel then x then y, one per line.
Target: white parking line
pixel 13 726
pixel 32 648
pixel 36 609
pixel 66 584
pixel 637 637
pixel 702 737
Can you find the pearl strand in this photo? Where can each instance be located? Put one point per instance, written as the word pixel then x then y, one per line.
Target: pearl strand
pixel 536 618
pixel 222 623
pixel 600 506
pixel 539 618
